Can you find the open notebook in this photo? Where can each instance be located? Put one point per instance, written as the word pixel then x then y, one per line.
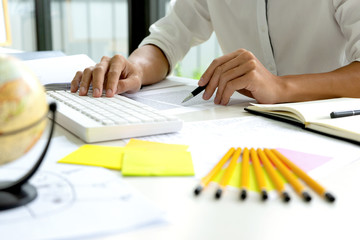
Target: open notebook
pixel 315 116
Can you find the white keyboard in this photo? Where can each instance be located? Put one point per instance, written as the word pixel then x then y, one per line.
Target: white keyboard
pixel 102 119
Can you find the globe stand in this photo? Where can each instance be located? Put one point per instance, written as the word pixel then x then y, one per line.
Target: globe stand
pixel 20 192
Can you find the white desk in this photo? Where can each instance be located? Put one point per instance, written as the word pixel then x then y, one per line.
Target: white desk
pixel 203 217
pixel 192 218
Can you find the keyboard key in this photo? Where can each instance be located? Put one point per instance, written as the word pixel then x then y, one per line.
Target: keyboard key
pixel 102 119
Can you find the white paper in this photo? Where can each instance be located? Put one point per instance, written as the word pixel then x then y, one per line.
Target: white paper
pixel 74 201
pixel 169 100
pixel 170 81
pixel 209 140
pixel 59 69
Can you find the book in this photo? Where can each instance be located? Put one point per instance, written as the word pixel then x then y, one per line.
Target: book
pixel 315 116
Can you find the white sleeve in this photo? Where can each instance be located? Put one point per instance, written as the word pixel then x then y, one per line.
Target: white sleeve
pixel 187 24
pixel 348 17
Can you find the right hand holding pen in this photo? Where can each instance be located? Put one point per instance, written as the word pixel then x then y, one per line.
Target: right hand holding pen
pixel 116 75
pixel 241 71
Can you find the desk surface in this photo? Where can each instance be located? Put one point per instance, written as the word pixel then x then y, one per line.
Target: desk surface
pixel 203 217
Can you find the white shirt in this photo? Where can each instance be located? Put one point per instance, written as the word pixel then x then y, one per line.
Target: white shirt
pixel 287 36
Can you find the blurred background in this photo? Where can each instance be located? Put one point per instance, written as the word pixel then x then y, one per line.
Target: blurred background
pixel 97 28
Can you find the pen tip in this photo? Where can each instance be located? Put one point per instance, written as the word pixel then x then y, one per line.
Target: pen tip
pixel 329 197
pixel 187 98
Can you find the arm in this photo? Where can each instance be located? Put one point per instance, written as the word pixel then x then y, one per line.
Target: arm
pixel 153 63
pixel 241 71
pixel 174 34
pixel 146 65
pixel 342 82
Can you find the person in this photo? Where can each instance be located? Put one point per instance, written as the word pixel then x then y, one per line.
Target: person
pixel 274 51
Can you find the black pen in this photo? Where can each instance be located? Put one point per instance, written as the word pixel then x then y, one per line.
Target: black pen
pixel 344 113
pixel 194 93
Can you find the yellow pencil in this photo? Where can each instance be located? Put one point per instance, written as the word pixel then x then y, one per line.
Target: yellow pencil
pixel 245 168
pixel 207 179
pixel 259 175
pixel 274 176
pixel 289 176
pixel 305 177
pixel 228 173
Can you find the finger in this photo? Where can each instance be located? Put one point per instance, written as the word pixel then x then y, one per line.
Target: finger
pixel 116 70
pixel 217 78
pixel 245 92
pixel 85 81
pixel 243 68
pixel 128 85
pixel 76 81
pixel 233 85
pixel 98 76
pixel 216 63
pixel 227 93
pixel 215 70
pixel 213 83
pixel 238 66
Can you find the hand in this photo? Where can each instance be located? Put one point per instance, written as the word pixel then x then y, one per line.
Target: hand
pixel 115 75
pixel 240 71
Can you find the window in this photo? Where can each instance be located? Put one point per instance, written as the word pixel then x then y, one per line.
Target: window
pixel 93 27
pixel 22 24
pixel 97 28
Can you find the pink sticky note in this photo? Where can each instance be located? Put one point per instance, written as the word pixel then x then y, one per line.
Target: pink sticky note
pixel 305 161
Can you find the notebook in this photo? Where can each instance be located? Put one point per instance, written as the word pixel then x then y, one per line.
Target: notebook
pixel 315 116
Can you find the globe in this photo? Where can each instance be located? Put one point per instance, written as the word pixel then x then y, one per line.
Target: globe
pixel 23 109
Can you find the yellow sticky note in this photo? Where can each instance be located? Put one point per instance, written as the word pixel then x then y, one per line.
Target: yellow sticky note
pixel 157 163
pixel 156 145
pixel 93 155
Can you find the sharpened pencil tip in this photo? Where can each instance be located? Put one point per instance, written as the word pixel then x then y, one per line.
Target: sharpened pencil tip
pixel 218 193
pixel 306 196
pixel 329 197
pixel 286 197
pixel 198 190
pixel 243 194
pixel 264 195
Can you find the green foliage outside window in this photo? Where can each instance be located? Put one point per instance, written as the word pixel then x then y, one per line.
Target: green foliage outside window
pixel 196 74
